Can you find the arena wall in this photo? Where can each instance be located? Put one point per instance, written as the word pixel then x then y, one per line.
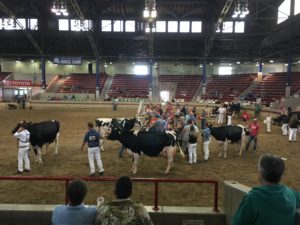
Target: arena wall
pixel 12 214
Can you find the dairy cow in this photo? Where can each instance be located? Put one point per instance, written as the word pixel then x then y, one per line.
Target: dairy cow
pixel 42 133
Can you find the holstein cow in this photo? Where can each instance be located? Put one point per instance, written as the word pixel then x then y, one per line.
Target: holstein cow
pixel 41 133
pixel 235 134
pixel 104 126
pixel 151 143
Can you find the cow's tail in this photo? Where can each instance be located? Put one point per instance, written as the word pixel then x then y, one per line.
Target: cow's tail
pixel 180 150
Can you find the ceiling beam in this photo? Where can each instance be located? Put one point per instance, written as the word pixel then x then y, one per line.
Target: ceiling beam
pixel 79 13
pixel 215 27
pixel 29 36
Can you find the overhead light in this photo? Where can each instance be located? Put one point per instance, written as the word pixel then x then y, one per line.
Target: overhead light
pixel 59 7
pixel 238 62
pixel 17 61
pixel 149 14
pixel 263 64
pixel 132 63
pixel 200 65
pixel 105 65
pixel 211 64
pixel 32 61
pixel 286 64
pixel 110 63
pixel 271 61
pixel 240 9
pixel 229 64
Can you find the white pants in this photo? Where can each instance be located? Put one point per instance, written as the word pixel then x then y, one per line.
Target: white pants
pixel 220 118
pixel 293 134
pixel 284 129
pixel 94 153
pixel 192 148
pixel 228 120
pixel 268 127
pixel 206 149
pixel 23 157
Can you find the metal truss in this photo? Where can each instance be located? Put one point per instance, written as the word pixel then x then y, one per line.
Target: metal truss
pixel 216 26
pixel 89 33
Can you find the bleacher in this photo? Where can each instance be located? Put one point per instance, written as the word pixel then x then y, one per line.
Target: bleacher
pixel 3 75
pixel 273 86
pixel 186 85
pixel 80 83
pixel 129 86
pixel 227 87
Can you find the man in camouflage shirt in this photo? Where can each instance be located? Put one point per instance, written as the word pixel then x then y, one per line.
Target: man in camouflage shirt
pixel 122 211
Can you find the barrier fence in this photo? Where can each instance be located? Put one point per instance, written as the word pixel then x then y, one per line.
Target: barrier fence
pixel 156 182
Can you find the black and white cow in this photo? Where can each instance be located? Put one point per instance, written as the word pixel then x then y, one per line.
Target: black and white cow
pixel 235 134
pixel 42 133
pixel 104 126
pixel 151 143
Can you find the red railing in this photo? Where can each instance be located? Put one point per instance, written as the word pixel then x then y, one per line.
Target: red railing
pixel 156 181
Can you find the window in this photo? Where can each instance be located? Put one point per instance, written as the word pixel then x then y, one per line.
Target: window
pixel 172 26
pixel 225 70
pixel 63 24
pixel 239 27
pixel 141 70
pixel 106 25
pixel 130 26
pixel 78 25
pixel 196 26
pixel 32 24
pixel 118 25
pixel 227 27
pixel 297 7
pixel 11 24
pixel 160 26
pixel 284 11
pixel 184 27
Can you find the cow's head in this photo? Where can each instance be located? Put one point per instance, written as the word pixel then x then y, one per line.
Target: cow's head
pixel 117 130
pixel 23 122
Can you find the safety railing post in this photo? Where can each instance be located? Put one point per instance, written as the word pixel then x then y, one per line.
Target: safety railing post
pixel 155 208
pixel 216 198
pixel 66 191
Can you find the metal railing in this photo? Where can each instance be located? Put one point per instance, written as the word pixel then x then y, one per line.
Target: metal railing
pixel 156 181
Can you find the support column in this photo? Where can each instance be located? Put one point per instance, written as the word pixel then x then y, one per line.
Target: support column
pixel 43 68
pixel 289 78
pixel 203 91
pixel 97 78
pixel 152 87
pixel 260 73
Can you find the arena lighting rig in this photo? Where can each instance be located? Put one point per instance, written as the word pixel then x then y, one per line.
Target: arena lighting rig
pixel 240 9
pixel 150 14
pixel 59 8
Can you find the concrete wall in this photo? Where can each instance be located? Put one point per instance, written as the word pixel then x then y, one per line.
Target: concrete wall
pixel 12 214
pixel 175 68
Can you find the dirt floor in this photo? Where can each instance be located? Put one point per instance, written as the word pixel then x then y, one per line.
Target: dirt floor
pixel 70 161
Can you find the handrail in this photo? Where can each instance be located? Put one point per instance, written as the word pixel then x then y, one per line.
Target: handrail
pixel 156 181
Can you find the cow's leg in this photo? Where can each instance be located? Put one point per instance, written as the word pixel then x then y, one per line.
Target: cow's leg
pixel 56 143
pixel 170 154
pixel 101 144
pixel 135 162
pixel 243 139
pixel 220 148
pixel 39 155
pixel 225 148
pixel 45 149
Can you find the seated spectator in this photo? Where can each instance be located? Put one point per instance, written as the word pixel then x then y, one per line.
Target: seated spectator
pixel 75 212
pixel 123 210
pixel 270 203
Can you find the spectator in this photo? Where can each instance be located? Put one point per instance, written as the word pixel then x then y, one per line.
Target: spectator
pixel 75 212
pixel 254 130
pixel 271 203
pixel 245 117
pixel 123 210
pixel 222 113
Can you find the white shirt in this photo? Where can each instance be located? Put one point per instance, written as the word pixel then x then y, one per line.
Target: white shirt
pixel 23 137
pixel 221 110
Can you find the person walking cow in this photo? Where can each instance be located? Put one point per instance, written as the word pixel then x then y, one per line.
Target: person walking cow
pixel 92 139
pixel 23 137
pixel 254 130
